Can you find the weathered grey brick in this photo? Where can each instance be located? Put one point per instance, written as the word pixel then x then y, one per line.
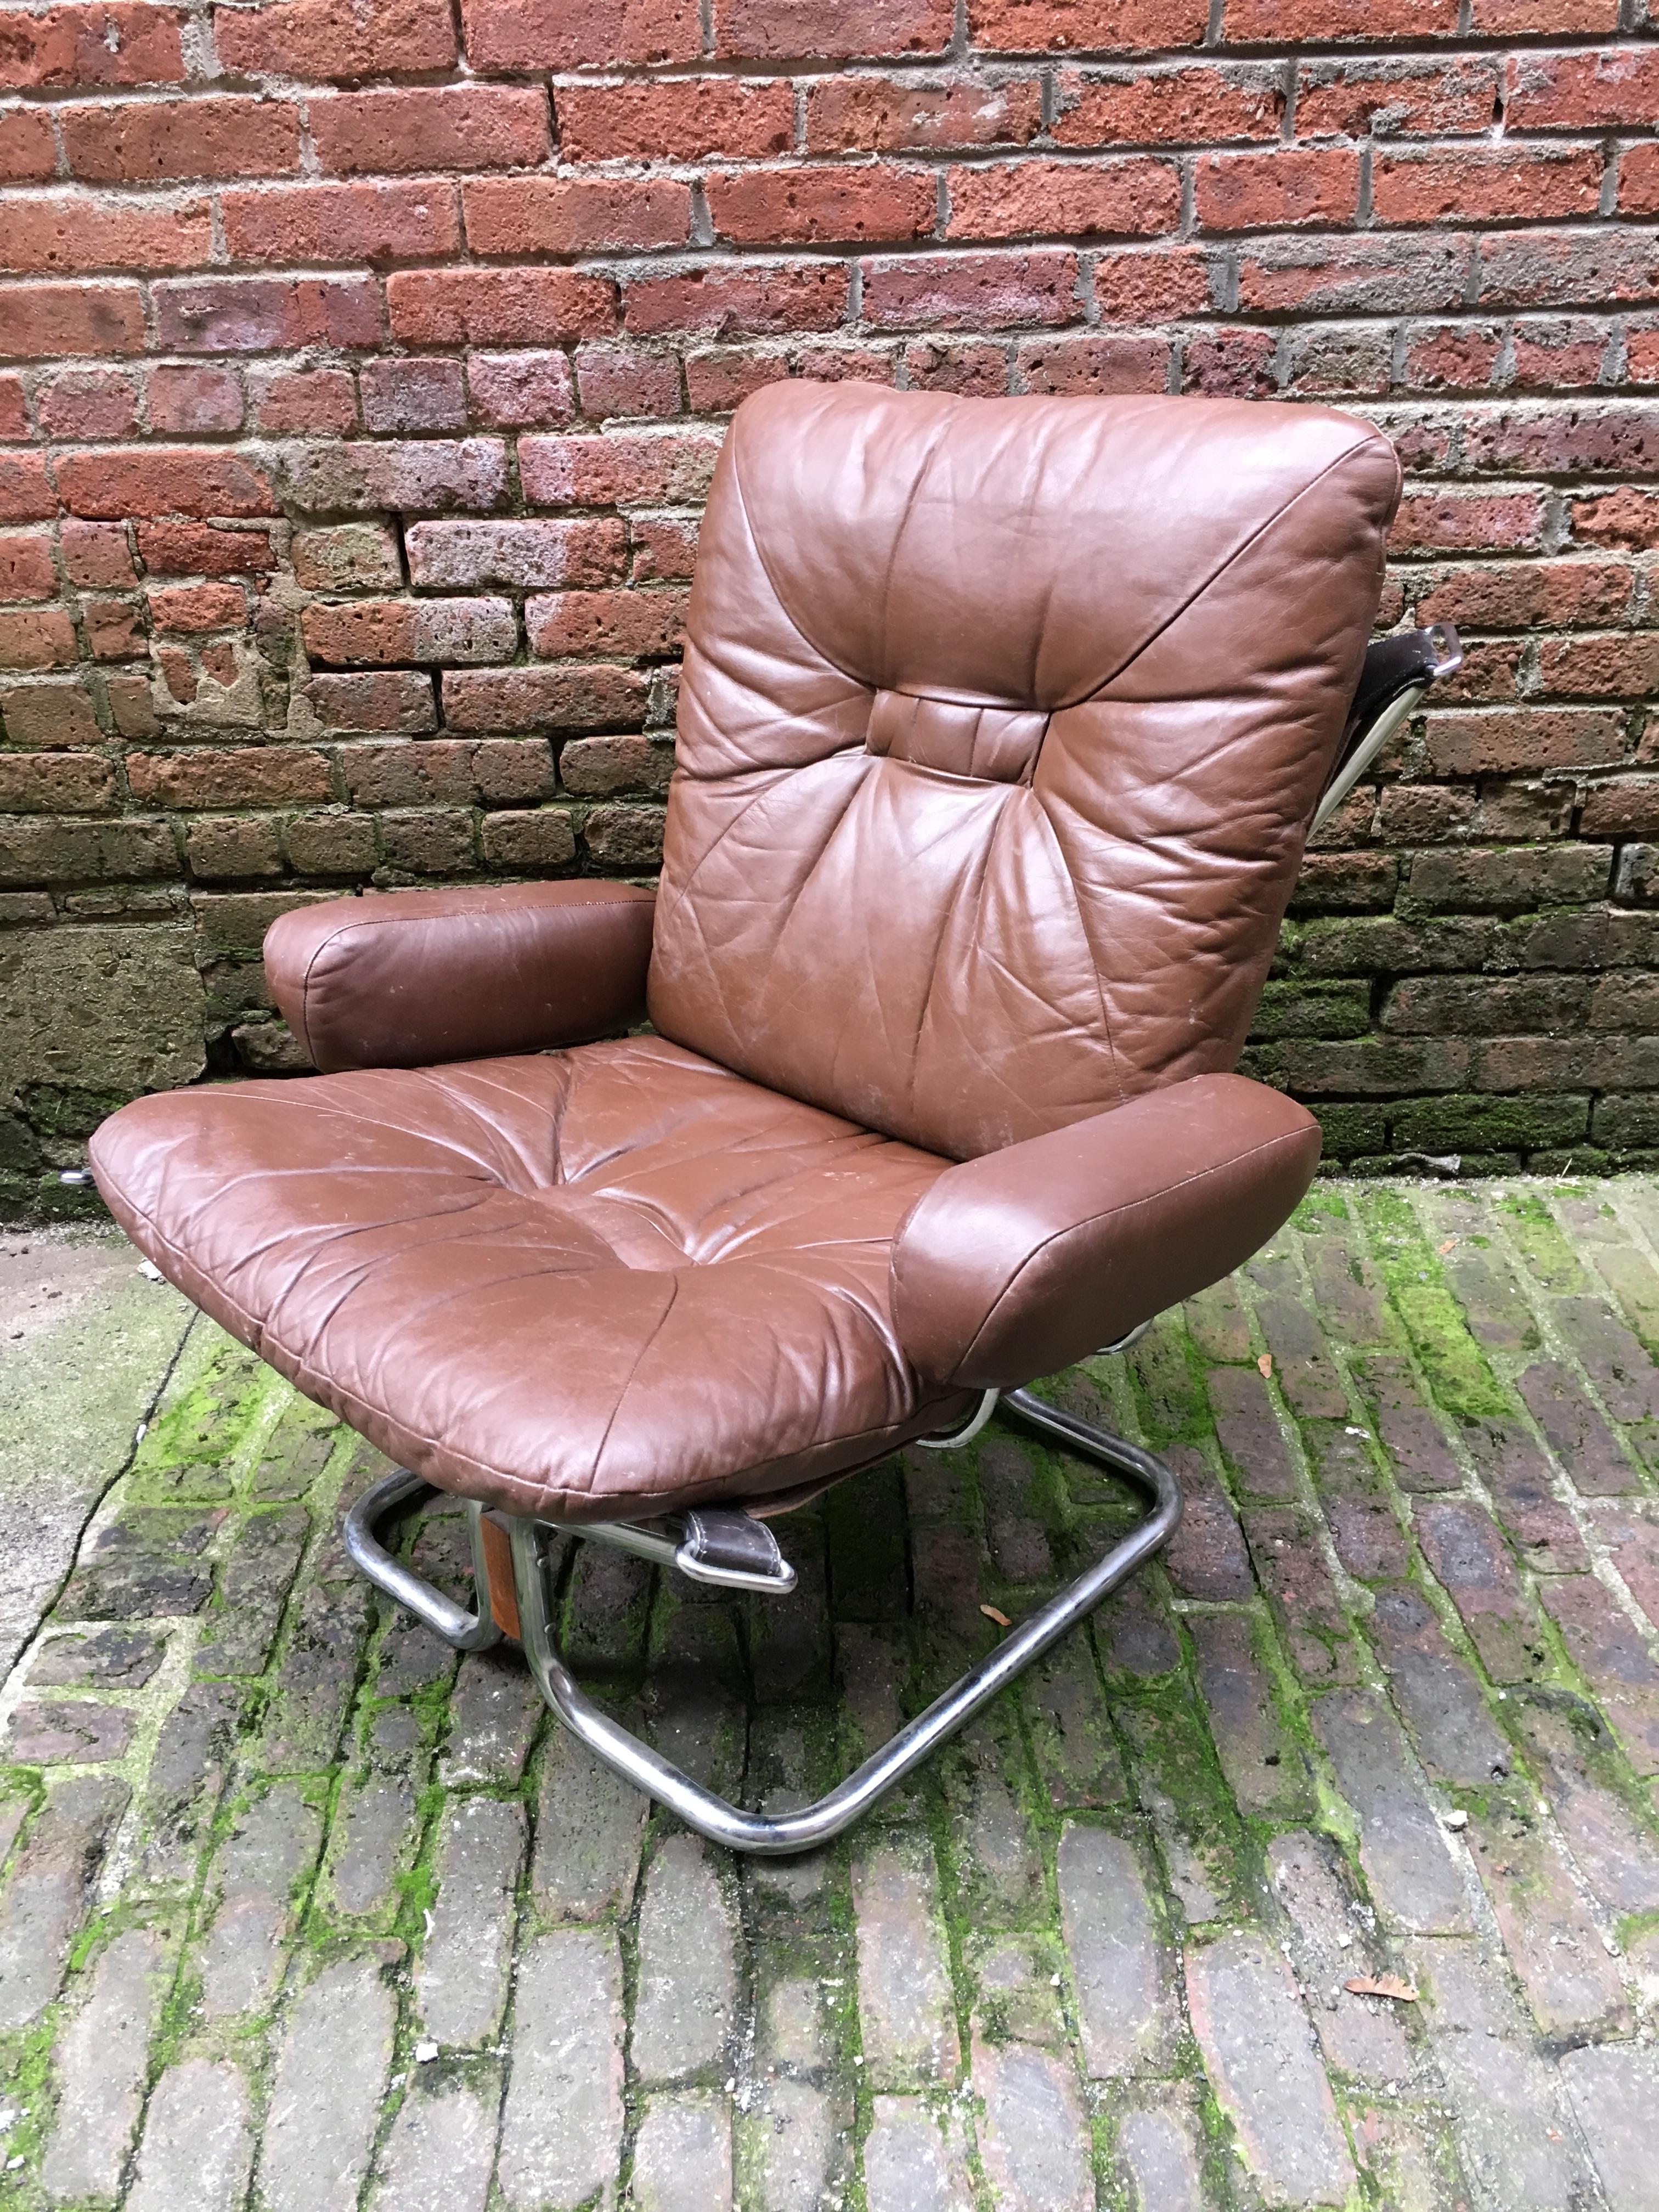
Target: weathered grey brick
pixel 1070 1728
pixel 68 1731
pixel 685 2009
pixel 114 1658
pixel 913 2162
pixel 274 1842
pixel 326 2095
pixel 1331 1941
pixel 998 1865
pixel 589 1826
pixel 316 1678
pixel 1118 1966
pixel 186 1776
pixel 441 2150
pixel 683 2155
pixel 1403 1847
pixel 48 1891
pixel 793 2147
pixel 461 1980
pixel 1570 1753
pixel 373 1833
pixel 1510 2117
pixel 1159 2155
pixel 1035 2138
pixel 1260 2055
pixel 197 2144
pixel 102 2064
pixel 494 1710
pixel 561 2125
pixel 1264 1764
pixel 253 1584
pixel 905 2001
pixel 1019 1991
pixel 1571 1984
pixel 1614 2088
pixel 1443 1703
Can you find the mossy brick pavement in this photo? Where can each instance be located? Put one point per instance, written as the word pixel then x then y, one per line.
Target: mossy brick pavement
pixel 299 1913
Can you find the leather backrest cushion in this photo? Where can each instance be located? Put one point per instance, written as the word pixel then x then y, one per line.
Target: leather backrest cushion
pixel 1000 727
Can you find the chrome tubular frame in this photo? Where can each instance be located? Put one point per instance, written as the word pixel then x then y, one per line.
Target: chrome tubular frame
pixel 722 1822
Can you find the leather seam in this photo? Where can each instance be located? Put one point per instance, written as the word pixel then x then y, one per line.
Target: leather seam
pixel 1088 1221
pixel 1269 523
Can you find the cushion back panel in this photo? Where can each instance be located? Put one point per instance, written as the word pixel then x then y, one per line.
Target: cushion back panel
pixel 1001 725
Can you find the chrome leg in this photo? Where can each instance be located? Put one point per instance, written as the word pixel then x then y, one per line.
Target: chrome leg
pixel 779 1835
pixel 467 1631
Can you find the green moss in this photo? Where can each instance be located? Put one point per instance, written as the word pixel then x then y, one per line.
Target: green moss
pixel 1456 1367
pixel 1541 1242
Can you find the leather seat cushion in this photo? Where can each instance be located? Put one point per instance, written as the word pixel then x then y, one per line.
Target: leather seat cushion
pixel 589 1284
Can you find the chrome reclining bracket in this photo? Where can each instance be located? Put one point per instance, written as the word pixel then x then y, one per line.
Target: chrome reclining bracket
pixel 726 1556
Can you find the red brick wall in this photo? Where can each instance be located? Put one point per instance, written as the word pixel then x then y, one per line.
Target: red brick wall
pixel 366 359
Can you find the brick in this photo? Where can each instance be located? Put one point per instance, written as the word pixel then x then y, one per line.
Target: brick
pixel 75 47
pixel 1186 106
pixel 1278 190
pixel 49 713
pixel 278 775
pixel 322 222
pixel 1274 20
pixel 428 127
pixel 1628 517
pixel 666 469
pixel 521 390
pixel 324 400
pixel 1259 2053
pixel 626 624
pixel 730 298
pixel 1610 2086
pixel 45 321
pixel 664 546
pixel 685 2009
pixel 1086 26
pixel 1459 521
pixel 70 233
pixel 401 394
pixel 1486 183
pixel 183 401
pixel 198 2143
pixel 156 480
pixel 1555 354
pixel 28 151
pixel 1133 196
pixel 191 608
pixel 88 403
pixel 1616 86
pixel 102 2065
pixel 1098 363
pixel 621 381
pixel 1569 268
pixel 872 115
pixel 1330 1943
pixel 868 28
pixel 1411 1874
pixel 496 306
pixel 1151 284
pixel 1503 742
pixel 258 314
pixel 1638 180
pixel 526 553
pixel 184 549
pixel 415 475
pixel 272 1844
pixel 1550 594
pixel 522 215
pixel 152 141
pixel 542 34
pixel 26 565
pixel 979 369
pixel 537 841
pixel 806 206
pixel 394 703
pixel 45 640
pixel 462 1979
pixel 1357 274
pixel 365 632
pixel 327 2091
pixel 1416 98
pixel 908 2022
pixel 1470 1557
pixel 677 120
pixel 310 39
pixel 959 291
pixel 1206 1557
pixel 544 698
pixel 1611 666
pixel 1437 1691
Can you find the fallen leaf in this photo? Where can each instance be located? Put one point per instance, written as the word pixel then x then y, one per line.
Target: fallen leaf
pixel 1000 1618
pixel 1443 1249
pixel 1381 1985
pixel 1266 1363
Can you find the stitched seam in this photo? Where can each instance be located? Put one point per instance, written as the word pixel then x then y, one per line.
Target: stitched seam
pixel 1128 1206
pixel 1261 531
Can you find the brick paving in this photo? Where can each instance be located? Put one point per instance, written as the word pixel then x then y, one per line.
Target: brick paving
pixel 300 1913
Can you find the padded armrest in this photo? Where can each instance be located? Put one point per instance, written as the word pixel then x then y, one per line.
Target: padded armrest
pixel 407 978
pixel 1019 1262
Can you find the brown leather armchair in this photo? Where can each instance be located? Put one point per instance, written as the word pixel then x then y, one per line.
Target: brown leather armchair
pixel 1002 726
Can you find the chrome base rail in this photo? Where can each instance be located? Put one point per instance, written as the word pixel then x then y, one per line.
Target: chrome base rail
pixel 779 1835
